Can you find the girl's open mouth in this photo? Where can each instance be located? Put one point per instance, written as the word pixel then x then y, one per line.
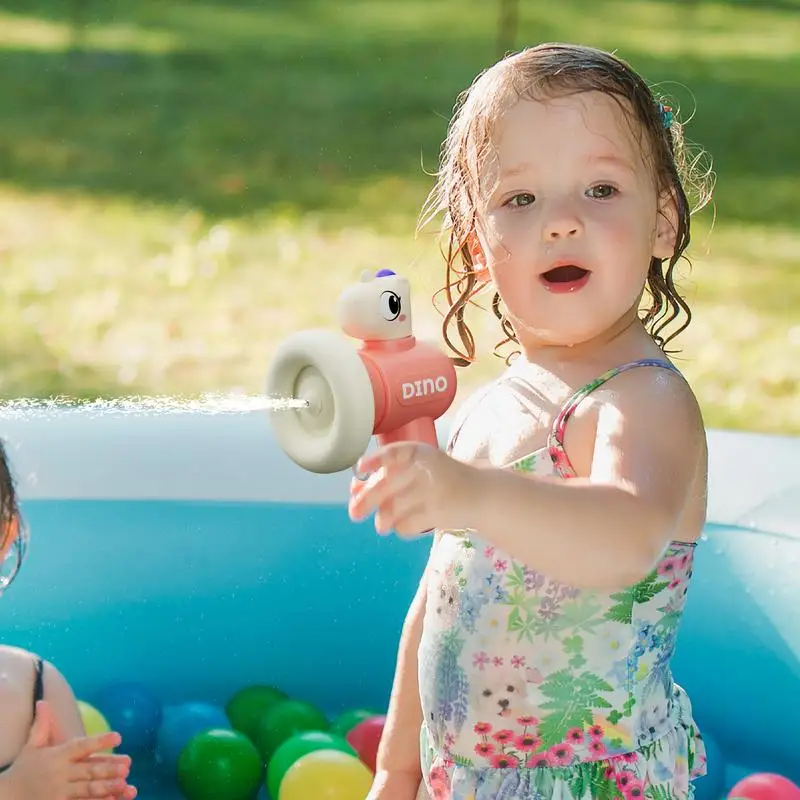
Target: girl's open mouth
pixel 565 278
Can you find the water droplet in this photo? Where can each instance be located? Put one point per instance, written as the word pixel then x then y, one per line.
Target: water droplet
pixel 204 404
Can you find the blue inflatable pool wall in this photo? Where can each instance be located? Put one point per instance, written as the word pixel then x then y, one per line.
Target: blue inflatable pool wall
pixel 187 553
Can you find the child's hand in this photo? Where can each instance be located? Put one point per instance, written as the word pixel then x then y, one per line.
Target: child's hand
pixel 73 770
pixel 57 737
pixel 413 488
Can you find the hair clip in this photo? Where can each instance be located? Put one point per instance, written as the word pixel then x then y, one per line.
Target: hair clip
pixel 666 114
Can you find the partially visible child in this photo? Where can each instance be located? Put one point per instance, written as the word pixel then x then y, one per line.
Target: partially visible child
pixel 44 751
pixel 535 659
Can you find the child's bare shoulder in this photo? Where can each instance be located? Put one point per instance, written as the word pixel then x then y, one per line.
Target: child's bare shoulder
pixel 17 690
pixel 16 699
pixel 14 660
pixel 18 671
pixel 660 396
pixel 508 417
pixel 17 675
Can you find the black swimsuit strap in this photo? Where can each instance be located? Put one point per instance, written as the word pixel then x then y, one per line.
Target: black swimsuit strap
pixel 38 694
pixel 38 682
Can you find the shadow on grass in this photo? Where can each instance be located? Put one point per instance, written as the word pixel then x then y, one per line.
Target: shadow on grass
pixel 297 107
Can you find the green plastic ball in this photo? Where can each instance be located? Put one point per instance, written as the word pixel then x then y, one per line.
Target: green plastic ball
pixel 219 763
pixel 295 748
pixel 246 708
pixel 284 720
pixel 345 722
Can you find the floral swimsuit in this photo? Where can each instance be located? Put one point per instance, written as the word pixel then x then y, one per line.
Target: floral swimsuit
pixel 532 689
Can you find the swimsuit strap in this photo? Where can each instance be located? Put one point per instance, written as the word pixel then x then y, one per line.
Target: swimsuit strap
pixel 38 682
pixel 38 694
pixel 555 440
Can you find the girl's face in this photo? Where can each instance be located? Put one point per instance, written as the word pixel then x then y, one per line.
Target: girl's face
pixel 573 219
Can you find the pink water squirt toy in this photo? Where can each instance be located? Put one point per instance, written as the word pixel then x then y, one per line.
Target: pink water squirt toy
pixel 392 386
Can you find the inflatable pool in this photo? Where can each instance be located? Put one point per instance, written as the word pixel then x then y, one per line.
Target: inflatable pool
pixel 186 555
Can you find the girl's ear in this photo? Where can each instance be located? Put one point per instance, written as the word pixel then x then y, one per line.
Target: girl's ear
pixel 478 257
pixel 666 226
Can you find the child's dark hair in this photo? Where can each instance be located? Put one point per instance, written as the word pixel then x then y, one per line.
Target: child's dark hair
pixel 9 507
pixel 546 71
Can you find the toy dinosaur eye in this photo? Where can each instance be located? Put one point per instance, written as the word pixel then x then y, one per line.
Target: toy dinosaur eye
pixel 390 306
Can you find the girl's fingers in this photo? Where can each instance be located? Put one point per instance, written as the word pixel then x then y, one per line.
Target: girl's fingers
pixel 80 749
pixel 407 521
pixel 90 771
pixel 399 453
pixel 112 758
pixel 383 488
pixel 102 790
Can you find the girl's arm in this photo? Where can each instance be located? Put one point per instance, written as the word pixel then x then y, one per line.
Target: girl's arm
pixel 604 531
pixel 399 747
pixel 62 700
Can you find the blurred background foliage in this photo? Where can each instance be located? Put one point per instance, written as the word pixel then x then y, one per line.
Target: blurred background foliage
pixel 182 184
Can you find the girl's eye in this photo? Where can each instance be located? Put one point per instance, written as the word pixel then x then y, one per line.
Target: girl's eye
pixel 601 191
pixel 522 199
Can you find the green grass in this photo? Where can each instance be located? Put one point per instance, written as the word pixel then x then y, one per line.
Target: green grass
pixel 206 176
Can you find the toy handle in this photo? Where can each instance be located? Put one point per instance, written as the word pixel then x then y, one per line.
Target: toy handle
pixel 422 429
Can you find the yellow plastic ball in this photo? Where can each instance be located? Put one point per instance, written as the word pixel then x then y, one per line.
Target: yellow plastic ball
pixel 94 723
pixel 326 775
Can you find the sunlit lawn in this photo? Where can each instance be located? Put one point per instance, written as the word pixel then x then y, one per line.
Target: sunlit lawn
pixel 210 175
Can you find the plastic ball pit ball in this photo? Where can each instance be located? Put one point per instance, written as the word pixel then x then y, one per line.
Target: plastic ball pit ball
pixel 94 723
pixel 765 786
pixel 295 748
pixel 345 722
pixel 246 708
pixel 284 720
pixel 365 738
pixel 326 775
pixel 134 712
pixel 219 765
pixel 179 725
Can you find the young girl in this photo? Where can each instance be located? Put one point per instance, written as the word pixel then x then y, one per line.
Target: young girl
pixel 535 658
pixel 44 753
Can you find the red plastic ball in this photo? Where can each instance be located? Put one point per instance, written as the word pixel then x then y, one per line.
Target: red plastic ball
pixel 365 738
pixel 765 786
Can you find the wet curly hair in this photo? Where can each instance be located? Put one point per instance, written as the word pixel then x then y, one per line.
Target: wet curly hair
pixel 541 72
pixel 10 519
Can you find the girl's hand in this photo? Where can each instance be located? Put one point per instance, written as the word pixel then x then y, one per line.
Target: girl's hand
pixel 74 770
pixel 412 488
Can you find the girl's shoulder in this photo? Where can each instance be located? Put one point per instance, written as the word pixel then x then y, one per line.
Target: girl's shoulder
pixel 25 678
pixel 16 658
pixel 507 417
pixel 18 674
pixel 17 682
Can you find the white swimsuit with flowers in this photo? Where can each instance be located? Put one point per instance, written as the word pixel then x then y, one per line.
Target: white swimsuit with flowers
pixel 533 689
